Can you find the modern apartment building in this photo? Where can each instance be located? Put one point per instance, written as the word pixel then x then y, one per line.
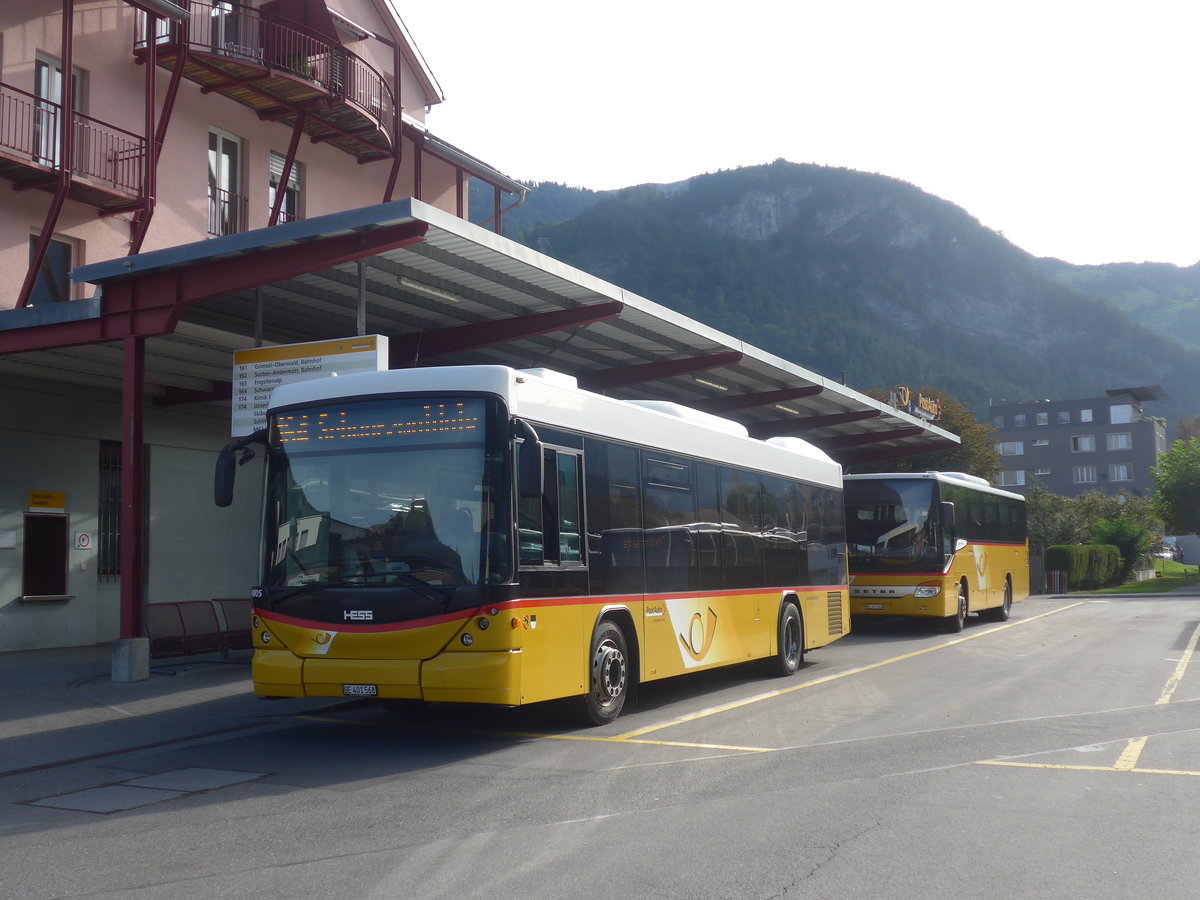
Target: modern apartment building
pixel 1104 443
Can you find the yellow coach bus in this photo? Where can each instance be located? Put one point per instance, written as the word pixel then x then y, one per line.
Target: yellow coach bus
pixel 937 544
pixel 487 535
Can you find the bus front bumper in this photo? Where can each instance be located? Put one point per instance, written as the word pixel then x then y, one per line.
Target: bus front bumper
pixel 897 606
pixel 474 677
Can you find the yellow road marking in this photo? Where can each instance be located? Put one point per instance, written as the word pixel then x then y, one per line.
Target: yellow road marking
pixel 1177 676
pixel 1128 760
pixel 769 695
pixel 1021 765
pixel 550 737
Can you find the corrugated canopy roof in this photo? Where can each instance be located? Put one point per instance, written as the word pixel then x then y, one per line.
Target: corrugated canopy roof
pixel 446 292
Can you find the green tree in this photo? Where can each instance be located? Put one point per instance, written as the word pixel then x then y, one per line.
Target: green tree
pixel 1052 519
pixel 1129 535
pixel 976 455
pixel 1093 517
pixel 1177 483
pixel 1187 427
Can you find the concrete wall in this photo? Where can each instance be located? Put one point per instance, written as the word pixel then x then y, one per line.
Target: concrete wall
pixel 49 441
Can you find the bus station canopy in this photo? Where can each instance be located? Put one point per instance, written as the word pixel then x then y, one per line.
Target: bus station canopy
pixel 445 292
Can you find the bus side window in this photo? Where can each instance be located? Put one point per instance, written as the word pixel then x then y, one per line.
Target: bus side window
pixel 614 518
pixel 570 520
pixel 529 522
pixel 550 525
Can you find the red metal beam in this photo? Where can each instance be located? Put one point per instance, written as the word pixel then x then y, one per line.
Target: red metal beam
pixel 397 122
pixel 150 304
pixel 858 440
pixel 133 484
pixel 65 156
pixel 764 430
pixel 286 175
pixel 177 396
pixel 728 403
pixel 867 455
pixel 668 368
pixel 413 349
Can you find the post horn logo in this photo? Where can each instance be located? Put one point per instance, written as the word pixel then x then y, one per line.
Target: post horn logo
pixel 700 636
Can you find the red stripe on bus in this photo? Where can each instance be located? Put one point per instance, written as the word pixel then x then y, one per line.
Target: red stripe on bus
pixel 525 603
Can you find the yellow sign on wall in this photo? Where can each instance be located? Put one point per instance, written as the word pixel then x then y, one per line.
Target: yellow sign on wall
pixel 47 500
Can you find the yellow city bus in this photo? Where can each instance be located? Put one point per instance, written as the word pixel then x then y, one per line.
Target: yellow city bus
pixel 937 544
pixel 480 534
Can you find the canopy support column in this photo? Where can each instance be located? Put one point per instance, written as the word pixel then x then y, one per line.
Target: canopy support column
pixel 131 657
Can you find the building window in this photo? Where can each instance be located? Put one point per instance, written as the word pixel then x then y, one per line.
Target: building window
pixel 53 283
pixel 1083 443
pixel 1011 448
pixel 1085 415
pixel 1121 413
pixel 1083 474
pixel 47 87
pixel 1043 418
pixel 1121 440
pixel 998 421
pixel 1120 472
pixel 1042 442
pixel 1040 472
pixel 1019 420
pixel 1064 417
pixel 1012 477
pixel 289 210
pixel 226 204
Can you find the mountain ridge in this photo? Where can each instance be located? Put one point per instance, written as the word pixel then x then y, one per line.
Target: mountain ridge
pixel 844 271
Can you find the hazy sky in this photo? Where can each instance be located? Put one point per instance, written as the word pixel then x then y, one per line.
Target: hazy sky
pixel 1071 127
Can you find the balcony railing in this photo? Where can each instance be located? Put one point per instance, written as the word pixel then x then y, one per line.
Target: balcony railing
pixel 101 153
pixel 227 212
pixel 235 45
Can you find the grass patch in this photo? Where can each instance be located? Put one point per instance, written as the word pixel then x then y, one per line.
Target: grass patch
pixel 1172 575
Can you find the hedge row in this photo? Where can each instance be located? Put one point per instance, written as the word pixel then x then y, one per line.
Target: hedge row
pixel 1086 565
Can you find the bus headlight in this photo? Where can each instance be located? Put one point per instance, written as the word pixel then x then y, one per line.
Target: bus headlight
pixel 924 591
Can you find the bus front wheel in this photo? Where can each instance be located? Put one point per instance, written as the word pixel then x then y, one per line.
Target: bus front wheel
pixel 956 623
pixel 791 640
pixel 609 674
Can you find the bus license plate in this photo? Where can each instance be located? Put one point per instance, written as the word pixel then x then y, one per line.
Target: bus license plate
pixel 360 690
pixel 878 606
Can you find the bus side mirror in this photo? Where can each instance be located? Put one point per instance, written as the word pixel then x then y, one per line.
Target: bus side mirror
pixel 227 463
pixel 530 465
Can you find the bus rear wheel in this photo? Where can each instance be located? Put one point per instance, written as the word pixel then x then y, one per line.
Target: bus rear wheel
pixel 1004 610
pixel 955 623
pixel 608 677
pixel 791 640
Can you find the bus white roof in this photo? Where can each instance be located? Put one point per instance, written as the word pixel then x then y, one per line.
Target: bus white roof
pixel 960 478
pixel 549 398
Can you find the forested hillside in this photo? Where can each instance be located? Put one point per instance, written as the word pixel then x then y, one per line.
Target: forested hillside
pixel 842 271
pixel 1163 297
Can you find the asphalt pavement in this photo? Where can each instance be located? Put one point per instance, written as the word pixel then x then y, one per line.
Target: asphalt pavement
pixel 61 706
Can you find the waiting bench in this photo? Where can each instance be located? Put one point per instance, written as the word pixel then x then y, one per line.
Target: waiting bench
pixel 191 627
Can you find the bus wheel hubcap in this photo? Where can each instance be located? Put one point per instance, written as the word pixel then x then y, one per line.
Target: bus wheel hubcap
pixel 608 672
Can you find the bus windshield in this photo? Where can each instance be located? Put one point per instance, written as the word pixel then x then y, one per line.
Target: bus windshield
pixel 384 492
pixel 891 525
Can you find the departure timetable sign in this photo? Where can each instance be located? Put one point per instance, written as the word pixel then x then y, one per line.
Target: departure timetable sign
pixel 259 371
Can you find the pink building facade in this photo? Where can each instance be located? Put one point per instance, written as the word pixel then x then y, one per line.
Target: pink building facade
pixel 257 113
pixel 180 122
